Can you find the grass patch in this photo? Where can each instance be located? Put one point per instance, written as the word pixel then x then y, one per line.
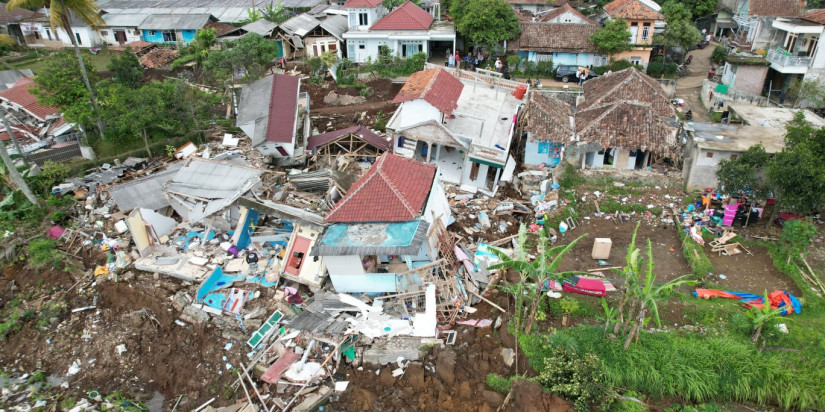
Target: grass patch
pixel 694 253
pixel 501 384
pixel 695 368
pixel 44 253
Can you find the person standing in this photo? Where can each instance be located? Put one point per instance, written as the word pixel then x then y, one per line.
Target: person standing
pixel 499 65
pixel 451 61
pixel 457 60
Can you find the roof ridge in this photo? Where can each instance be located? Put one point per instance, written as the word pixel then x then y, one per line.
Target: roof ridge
pixel 349 195
pixel 397 192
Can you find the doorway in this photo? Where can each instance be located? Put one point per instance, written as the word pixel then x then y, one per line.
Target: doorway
pixel 120 37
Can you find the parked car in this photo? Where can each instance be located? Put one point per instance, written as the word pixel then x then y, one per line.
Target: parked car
pixel 566 73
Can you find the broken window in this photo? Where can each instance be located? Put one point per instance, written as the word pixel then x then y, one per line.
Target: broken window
pixel 170 36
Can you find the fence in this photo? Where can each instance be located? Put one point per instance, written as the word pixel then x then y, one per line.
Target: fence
pixel 479 77
pixel 732 96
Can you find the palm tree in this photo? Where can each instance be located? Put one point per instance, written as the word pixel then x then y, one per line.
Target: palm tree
pixel 59 10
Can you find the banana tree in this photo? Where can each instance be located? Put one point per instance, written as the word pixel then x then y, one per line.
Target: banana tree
pixel 540 270
pixel 648 295
pixel 630 273
pixel 761 316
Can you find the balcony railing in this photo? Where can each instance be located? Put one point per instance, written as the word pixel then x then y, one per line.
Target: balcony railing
pixel 785 60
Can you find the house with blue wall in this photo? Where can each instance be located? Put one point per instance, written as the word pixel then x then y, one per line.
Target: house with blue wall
pixel 173 28
pixel 561 35
pixel 549 127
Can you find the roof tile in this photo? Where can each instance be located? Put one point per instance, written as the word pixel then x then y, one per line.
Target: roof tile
pixel 555 38
pixel 628 84
pixel 358 4
pixel 633 9
pixel 548 118
pixel 628 124
pixel 816 16
pixel 19 94
pixel 777 8
pixel 564 8
pixel 394 189
pixel 436 86
pixel 408 16
pixel 283 107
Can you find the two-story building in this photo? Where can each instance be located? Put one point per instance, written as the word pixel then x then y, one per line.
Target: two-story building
pixel 643 17
pixel 407 30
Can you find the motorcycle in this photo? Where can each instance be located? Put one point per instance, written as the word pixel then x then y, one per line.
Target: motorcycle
pixel 689 59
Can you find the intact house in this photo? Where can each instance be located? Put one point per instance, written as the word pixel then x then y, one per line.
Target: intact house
pixel 709 143
pixel 754 20
pixel 225 11
pixel 745 73
pixel 384 226
pixel 625 121
pixel 17 24
pixel 405 31
pixel 34 126
pixel 305 35
pixel 173 28
pixel 121 29
pixel 533 6
pixel 464 129
pixel 275 115
pixel 794 52
pixel 562 35
pixel 643 17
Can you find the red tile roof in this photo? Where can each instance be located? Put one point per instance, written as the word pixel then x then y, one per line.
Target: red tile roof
pixel 283 107
pixel 364 133
pixel 408 16
pixel 395 189
pixel 633 10
pixel 816 17
pixel 776 8
pixel 15 15
pixel 360 4
pixel 19 94
pixel 435 86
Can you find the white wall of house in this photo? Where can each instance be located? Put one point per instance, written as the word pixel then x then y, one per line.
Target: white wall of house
pixel 568 17
pixel 107 34
pixel 86 36
pixel 363 19
pixel 438 207
pixel 312 270
pixel 316 46
pixel 417 111
pixel 359 49
pixel 348 276
pixel 701 169
pixel 271 149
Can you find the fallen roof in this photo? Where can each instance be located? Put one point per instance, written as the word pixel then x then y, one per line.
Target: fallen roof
pixel 15 15
pixel 362 132
pixel 635 9
pixel 549 118
pixel 282 211
pixel 776 8
pixel 436 86
pixel 300 25
pixel 627 85
pixel 204 187
pixel 628 124
pixel 555 38
pixel 283 108
pixel 394 189
pixel 363 239
pixel 19 95
pixel 9 77
pixel 408 16
pixel 262 27
pixel 146 193
pixel 221 29
pixel 158 57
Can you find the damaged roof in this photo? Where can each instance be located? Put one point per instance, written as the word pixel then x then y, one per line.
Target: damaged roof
pixel 271 105
pixel 364 239
pixel 627 85
pixel 549 118
pixel 364 133
pixel 176 21
pixel 9 77
pixel 555 37
pixel 408 16
pixel 203 187
pixel 262 27
pixel 19 95
pixel 394 189
pixel 436 86
pixel 628 124
pixel 146 193
pixel 636 9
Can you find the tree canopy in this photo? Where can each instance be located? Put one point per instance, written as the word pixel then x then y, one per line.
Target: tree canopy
pixel 127 69
pixel 486 22
pixel 746 172
pixel 679 33
pixel 59 84
pixel 798 172
pixel 612 38
pixel 244 58
pixel 675 11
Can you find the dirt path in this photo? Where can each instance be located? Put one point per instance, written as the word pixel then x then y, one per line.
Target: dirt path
pixel 689 87
pixel 386 106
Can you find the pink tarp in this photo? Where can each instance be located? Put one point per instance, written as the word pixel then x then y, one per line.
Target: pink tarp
pixel 55 232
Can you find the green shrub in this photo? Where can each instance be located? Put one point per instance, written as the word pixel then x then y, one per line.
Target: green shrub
pixel 694 253
pixel 797 236
pixel 365 91
pixel 500 384
pixel 530 68
pixel 380 122
pixel 544 68
pixel 44 252
pixel 576 378
pixel 655 69
pixel 719 54
pixel 52 174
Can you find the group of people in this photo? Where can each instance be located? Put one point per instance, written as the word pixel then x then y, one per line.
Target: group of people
pixel 471 60
pixel 582 74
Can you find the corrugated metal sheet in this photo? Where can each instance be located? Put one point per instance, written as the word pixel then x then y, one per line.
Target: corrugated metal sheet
pixel 206 179
pixel 175 21
pixel 228 11
pixel 300 25
pixel 262 27
pixel 9 77
pixel 144 193
pixel 124 20
pixel 336 25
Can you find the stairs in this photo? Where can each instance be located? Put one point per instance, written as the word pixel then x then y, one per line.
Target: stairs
pixel 407 149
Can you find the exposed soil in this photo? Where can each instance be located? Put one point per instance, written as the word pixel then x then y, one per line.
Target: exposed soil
pixel 326 117
pixel 753 273
pixel 663 238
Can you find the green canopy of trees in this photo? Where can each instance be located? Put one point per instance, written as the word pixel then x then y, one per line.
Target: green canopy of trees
pixel 612 38
pixel 246 57
pixel 485 22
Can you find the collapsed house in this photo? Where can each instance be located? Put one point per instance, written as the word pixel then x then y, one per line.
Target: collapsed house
pixel 381 227
pixel 275 115
pixel 465 129
pixel 349 143
pixel 625 121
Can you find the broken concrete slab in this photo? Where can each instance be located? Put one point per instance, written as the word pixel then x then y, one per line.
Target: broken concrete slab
pixel 194 315
pixel 312 402
pixel 509 356
pixel 385 351
pixel 175 266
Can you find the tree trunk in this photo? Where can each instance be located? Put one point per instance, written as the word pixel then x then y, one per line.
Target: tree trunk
pixel 622 303
pixel 533 308
pixel 146 142
pixel 630 315
pixel 564 320
pixel 636 326
pixel 756 334
pixel 68 27
pixel 13 138
pixel 16 177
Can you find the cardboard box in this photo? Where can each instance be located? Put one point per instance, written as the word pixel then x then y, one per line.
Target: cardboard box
pixel 601 248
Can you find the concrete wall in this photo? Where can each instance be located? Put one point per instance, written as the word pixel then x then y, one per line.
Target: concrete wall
pixel 88 37
pixel 643 53
pixel 348 276
pixel 763 37
pixel 109 37
pixel 750 79
pixel 438 207
pixel 374 14
pixel 417 111
pixel 669 86
pixel 732 96
pixel 533 157
pixel 371 45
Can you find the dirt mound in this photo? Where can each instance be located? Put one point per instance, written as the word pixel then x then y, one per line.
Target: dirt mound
pixel 528 396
